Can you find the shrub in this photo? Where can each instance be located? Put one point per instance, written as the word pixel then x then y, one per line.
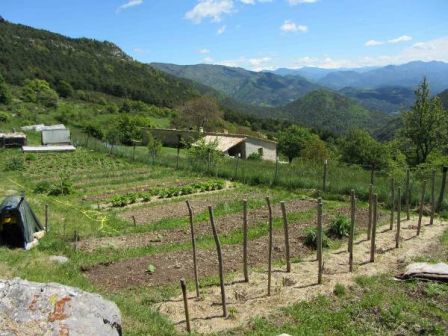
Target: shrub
pixel 339 227
pixel 255 157
pixel 15 164
pixel 43 187
pixel 64 187
pixel 339 289
pixel 311 238
pixel 4 117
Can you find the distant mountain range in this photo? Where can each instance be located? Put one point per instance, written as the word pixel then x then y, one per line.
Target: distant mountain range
pixel 406 75
pixel 255 88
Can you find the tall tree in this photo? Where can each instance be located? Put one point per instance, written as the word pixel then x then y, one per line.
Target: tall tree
pixel 5 94
pixel 425 125
pixel 293 140
pixel 199 112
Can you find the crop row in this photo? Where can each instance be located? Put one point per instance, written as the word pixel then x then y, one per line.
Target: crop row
pixel 133 197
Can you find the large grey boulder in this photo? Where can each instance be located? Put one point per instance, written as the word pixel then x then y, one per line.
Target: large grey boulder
pixel 30 308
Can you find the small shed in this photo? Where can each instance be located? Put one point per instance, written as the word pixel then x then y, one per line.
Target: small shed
pixel 56 137
pixel 12 140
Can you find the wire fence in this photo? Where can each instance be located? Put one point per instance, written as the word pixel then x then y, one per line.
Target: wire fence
pixel 339 178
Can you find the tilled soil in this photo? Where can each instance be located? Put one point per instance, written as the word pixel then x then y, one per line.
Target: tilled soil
pixel 225 224
pixel 170 267
pixel 249 300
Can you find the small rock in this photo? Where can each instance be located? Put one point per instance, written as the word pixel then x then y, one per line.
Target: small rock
pixel 58 259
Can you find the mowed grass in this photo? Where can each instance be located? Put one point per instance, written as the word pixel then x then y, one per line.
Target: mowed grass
pixel 351 312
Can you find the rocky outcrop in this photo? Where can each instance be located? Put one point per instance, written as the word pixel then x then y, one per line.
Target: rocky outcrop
pixel 29 308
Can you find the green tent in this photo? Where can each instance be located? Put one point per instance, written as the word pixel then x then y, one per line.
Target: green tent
pixel 18 223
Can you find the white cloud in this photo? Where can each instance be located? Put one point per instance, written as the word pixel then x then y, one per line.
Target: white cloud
pixel 221 30
pixel 372 43
pixel 291 27
pixel 252 2
pixel 432 50
pixel 204 51
pixel 207 60
pixel 213 9
pixel 129 4
pixel 402 38
pixel 299 2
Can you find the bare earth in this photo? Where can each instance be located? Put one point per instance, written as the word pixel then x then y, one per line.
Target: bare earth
pixel 250 300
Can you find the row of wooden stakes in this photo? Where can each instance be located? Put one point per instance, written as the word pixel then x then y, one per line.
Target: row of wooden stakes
pixel 371 236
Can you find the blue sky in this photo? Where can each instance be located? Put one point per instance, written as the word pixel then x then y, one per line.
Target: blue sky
pixel 255 34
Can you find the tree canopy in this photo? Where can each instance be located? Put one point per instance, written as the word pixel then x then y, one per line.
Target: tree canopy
pixel 293 140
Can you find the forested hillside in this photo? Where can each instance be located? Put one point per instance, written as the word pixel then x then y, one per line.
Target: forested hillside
pixel 330 111
pixel 255 88
pixel 86 64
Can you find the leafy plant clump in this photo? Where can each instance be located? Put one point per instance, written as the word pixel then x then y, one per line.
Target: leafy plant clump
pixel 339 227
pixel 62 187
pixel 130 198
pixel 311 238
pixel 14 164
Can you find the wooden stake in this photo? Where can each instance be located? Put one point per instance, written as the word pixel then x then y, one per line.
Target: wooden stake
pixel 245 266
pixel 372 175
pixel 408 195
pixel 276 170
pixel 420 211
pixel 392 208
pixel 268 200
pixel 397 236
pixel 286 230
pixel 352 229
pixel 324 187
pixel 193 244
pixel 375 218
pixel 221 267
pixel 184 294
pixel 369 225
pixel 319 241
pixel 134 221
pixel 442 188
pixel 46 218
pixel 433 196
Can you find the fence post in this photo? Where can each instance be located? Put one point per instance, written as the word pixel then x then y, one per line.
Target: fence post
pixel 134 221
pixel 268 200
pixel 177 157
pixel 133 150
pixel 221 267
pixel 369 224
pixel 408 194
pixel 372 175
pixel 397 236
pixel 375 218
pixel 324 187
pixel 442 188
pixel 286 231
pixel 433 196
pixel 276 171
pixel 392 208
pixel 184 295
pixel 420 211
pixel 193 244
pixel 245 266
pixel 352 228
pixel 46 218
pixel 319 241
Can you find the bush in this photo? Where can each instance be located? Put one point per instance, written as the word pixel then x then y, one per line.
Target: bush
pixel 339 289
pixel 43 187
pixel 15 164
pixel 63 187
pixel 4 117
pixel 311 238
pixel 39 91
pixel 339 227
pixel 255 157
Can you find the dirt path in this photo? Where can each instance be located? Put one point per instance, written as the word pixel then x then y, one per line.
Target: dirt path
pixel 249 300
pixel 225 224
pixel 174 265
